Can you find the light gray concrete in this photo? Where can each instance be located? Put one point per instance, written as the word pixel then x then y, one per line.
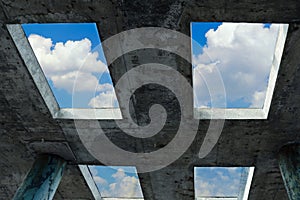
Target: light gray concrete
pixel 25 118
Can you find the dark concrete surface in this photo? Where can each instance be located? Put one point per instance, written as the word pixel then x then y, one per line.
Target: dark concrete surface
pixel 25 120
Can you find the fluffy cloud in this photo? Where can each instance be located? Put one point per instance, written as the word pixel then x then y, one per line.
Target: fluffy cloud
pixel 217 181
pixel 120 174
pixel 123 185
pixel 61 58
pixel 98 180
pixel 79 81
pixel 105 99
pixel 204 188
pixel 243 54
pixel 65 63
pixel 258 98
pixel 73 67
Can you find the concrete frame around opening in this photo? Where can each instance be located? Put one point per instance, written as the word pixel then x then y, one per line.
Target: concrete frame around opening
pixel 40 80
pixel 34 68
pixel 252 113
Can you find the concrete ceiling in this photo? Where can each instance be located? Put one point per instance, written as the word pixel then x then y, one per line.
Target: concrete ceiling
pixel 27 128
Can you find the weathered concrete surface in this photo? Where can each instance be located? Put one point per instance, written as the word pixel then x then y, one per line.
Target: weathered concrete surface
pixel 73 186
pixel 26 120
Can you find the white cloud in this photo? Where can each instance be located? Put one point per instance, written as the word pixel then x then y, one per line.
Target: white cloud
pixel 124 186
pixel 100 180
pixel 96 177
pixel 65 57
pixel 104 87
pixel 243 54
pixel 217 181
pixel 72 66
pixel 119 174
pixel 222 176
pixel 258 98
pixel 204 188
pixel 80 81
pixel 105 99
pixel 65 63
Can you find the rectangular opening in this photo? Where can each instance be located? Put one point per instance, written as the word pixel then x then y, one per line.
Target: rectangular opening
pixel 73 62
pixel 235 66
pixel 226 183
pixel 118 182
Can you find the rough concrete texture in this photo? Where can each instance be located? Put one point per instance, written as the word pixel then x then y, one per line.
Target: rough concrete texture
pixel 25 120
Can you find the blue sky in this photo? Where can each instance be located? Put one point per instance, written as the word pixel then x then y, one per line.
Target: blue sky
pixel 198 31
pixel 65 31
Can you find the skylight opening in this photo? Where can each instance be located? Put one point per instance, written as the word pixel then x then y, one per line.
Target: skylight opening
pixel 73 62
pixel 117 182
pixel 226 183
pixel 233 49
pixel 245 54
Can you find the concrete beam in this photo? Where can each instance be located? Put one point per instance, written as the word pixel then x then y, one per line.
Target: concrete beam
pixel 172 182
pixel 289 163
pixel 42 180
